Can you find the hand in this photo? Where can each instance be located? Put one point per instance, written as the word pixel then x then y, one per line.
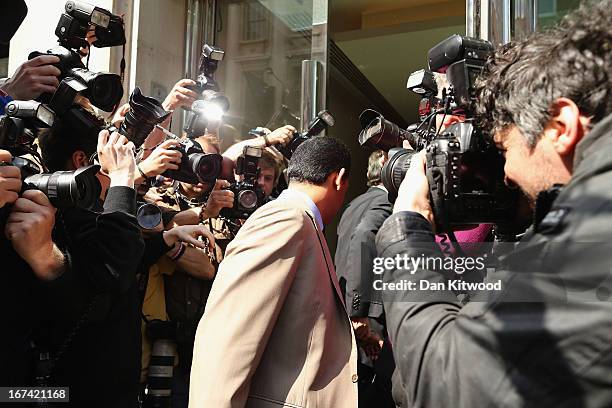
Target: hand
pixel 361 326
pixel 33 78
pixel 219 199
pixel 180 95
pixel 116 156
pixel 10 180
pixel 282 135
pixel 413 193
pixel 29 228
pixel 119 116
pixel 162 158
pixel 189 234
pixel 372 346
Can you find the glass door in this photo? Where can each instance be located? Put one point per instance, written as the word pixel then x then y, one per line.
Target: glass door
pixel 274 69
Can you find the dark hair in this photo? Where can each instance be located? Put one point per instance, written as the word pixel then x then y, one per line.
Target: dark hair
pixel 58 143
pixel 374 168
pixel 572 59
pixel 318 157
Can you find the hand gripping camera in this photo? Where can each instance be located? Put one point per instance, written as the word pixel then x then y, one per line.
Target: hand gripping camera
pixel 248 196
pixel 18 128
pixel 320 123
pixel 464 169
pixel 104 90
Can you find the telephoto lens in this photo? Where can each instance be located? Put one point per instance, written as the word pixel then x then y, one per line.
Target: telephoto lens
pixel 145 112
pixel 80 188
pixel 161 364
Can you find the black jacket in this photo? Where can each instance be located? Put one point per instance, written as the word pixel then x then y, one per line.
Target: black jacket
pixel 101 363
pixel 356 250
pixel 545 340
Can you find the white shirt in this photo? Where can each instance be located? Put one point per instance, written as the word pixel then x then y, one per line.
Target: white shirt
pixel 294 194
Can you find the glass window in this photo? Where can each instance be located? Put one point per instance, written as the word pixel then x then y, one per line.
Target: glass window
pixel 551 11
pixel 256 22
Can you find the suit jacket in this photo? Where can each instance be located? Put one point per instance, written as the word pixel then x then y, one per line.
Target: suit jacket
pixel 275 332
pixel 356 251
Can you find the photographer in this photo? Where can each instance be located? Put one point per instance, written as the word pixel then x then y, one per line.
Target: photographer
pixel 90 313
pixel 535 342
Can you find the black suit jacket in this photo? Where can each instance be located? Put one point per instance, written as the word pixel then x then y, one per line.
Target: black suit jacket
pixel 356 250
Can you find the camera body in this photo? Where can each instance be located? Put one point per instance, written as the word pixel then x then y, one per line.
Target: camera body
pixel 321 122
pixel 464 168
pixel 196 166
pixel 248 196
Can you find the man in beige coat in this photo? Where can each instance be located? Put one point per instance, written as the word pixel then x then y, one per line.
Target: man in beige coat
pixel 275 332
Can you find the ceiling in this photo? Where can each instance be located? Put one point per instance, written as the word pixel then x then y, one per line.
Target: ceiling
pixel 389 39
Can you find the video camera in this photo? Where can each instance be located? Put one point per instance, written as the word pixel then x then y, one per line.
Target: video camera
pixel 212 104
pixel 321 122
pixel 464 169
pixel 248 196
pixel 18 129
pixel 103 90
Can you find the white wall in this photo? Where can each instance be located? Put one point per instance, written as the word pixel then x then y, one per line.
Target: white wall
pixel 37 33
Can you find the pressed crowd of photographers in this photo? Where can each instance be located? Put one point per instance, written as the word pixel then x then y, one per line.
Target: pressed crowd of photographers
pixel 88 294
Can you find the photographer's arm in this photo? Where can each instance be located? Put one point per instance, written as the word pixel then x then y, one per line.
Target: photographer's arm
pixel 282 135
pixel 162 158
pixel 218 199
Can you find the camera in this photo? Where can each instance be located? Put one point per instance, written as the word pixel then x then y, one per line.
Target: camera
pixel 145 112
pixel 103 89
pixel 248 196
pixel 18 129
pixel 73 25
pixel 212 104
pixel 196 166
pixel 321 122
pixel 18 126
pixel 464 168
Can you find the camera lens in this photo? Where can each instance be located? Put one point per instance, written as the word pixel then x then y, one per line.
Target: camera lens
pixel 145 112
pixel 205 166
pixel 378 132
pixel 247 199
pixel 103 90
pixel 148 216
pixel 394 170
pixel 64 189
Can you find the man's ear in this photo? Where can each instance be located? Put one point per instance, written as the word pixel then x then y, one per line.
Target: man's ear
pixel 340 179
pixel 79 159
pixel 566 127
